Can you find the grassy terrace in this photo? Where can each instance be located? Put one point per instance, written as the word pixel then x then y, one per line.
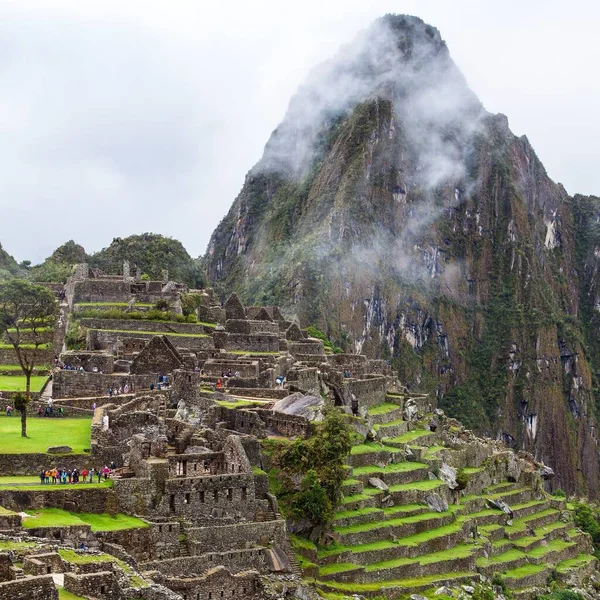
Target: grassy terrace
pixel 367 448
pixel 16 383
pixel 18 368
pixel 390 523
pixel 400 583
pixel 402 467
pixel 43 433
pixel 410 436
pixel 383 409
pixel 4 346
pixel 410 541
pixel 56 517
pixel 29 487
pixel 64 595
pixel 153 333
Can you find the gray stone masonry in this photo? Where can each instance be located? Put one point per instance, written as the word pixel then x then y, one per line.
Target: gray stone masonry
pixel 234 309
pixel 43 564
pixel 33 588
pixel 247 326
pixel 102 361
pixel 72 384
pixel 96 585
pixel 147 326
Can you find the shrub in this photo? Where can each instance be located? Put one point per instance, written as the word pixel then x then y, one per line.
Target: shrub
pixel 317 463
pixel 462 478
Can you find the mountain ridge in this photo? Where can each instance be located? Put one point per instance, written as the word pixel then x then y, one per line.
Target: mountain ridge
pixel 411 224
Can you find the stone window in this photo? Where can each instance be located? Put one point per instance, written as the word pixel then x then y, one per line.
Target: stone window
pixel 187 499
pixel 216 495
pixel 201 496
pixel 172 502
pixel 244 493
pixel 230 494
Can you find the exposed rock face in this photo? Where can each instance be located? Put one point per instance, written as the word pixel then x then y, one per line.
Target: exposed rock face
pixel 309 407
pixel 393 212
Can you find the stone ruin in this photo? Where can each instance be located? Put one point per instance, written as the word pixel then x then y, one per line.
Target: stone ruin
pixel 190 466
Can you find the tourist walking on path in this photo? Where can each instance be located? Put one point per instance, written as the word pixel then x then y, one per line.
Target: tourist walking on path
pixel 99 474
pixel 91 475
pixel 43 477
pixel 106 471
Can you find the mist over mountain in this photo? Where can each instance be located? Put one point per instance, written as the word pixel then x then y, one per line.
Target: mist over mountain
pixel 394 212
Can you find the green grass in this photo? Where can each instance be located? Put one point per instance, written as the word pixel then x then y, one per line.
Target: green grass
pixel 423 486
pixel 401 467
pixel 300 542
pixel 15 479
pixel 5 512
pixel 400 583
pixel 53 488
pixel 410 436
pixel 16 383
pixel 337 568
pixel 7 545
pixel 523 571
pixel 153 333
pixel 460 551
pixel 552 546
pixel 363 527
pixel 64 595
pixel 43 433
pixel 18 368
pixel 110 304
pixel 574 563
pixel 383 409
pixel 513 554
pixel 27 346
pixel 238 403
pixel 345 514
pixel 367 448
pixel 410 541
pixel 392 510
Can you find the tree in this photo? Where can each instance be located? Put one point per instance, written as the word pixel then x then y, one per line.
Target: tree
pixel 27 314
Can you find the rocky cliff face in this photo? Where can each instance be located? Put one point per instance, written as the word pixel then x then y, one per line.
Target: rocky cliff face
pixel 396 214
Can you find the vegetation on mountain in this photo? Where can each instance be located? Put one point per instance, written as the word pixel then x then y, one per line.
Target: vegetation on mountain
pixel 151 253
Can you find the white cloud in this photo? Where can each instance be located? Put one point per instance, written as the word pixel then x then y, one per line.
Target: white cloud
pixel 123 117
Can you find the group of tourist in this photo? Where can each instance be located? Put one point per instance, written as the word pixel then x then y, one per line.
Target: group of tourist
pixel 117 391
pixel 162 382
pixel 56 476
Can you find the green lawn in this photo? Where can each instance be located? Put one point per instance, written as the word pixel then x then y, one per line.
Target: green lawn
pixel 18 368
pixel 16 383
pixel 383 409
pixel 56 517
pixel 27 346
pixel 64 595
pixel 43 433
pixel 56 487
pixel 153 333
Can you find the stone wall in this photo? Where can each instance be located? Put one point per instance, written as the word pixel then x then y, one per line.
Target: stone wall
pixel 42 357
pixel 71 384
pixel 218 583
pixel 186 566
pixel 255 342
pixel 246 368
pixel 156 327
pixel 309 347
pixel 32 464
pixel 33 588
pixel 282 424
pixel 43 564
pixel 237 536
pixel 158 356
pixel 104 339
pixel 305 380
pixel 247 327
pixel 103 361
pixel 61 496
pixel 98 290
pixel 97 585
pixel 368 392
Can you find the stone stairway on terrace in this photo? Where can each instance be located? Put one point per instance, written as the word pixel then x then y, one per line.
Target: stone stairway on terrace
pixel 401 529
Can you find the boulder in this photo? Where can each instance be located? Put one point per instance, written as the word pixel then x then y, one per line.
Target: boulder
pixel 377 483
pixel 469 589
pixel 410 409
pixel 443 591
pixel 301 405
pixel 546 473
pixel 436 503
pixel 417 597
pixel 59 450
pixel 448 476
pixel 500 505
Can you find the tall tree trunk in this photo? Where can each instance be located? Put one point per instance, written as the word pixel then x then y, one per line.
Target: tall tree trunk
pixel 27 399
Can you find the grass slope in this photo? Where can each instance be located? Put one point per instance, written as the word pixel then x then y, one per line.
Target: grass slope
pixel 16 383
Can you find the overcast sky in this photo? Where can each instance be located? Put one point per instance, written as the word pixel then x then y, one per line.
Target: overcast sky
pixel 124 117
